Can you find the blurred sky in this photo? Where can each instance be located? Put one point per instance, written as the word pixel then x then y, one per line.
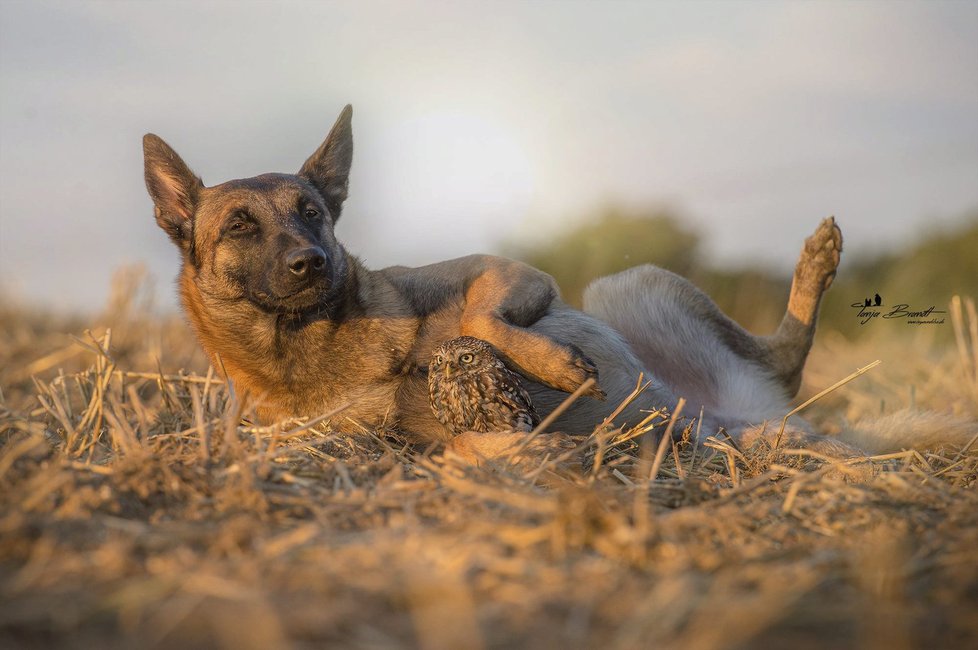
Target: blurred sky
pixel 481 123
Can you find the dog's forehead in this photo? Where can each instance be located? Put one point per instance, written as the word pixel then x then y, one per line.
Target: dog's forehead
pixel 269 191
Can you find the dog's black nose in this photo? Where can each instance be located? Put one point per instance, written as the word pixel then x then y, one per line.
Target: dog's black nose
pixel 306 262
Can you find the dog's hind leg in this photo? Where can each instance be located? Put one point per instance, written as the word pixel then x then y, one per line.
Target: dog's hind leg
pixel 788 347
pixel 684 339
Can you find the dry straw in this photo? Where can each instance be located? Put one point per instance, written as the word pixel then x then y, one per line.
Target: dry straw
pixel 141 506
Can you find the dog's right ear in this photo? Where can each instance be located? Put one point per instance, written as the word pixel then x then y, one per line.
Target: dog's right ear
pixel 329 168
pixel 173 188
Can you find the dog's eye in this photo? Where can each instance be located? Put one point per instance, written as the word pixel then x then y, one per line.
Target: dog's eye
pixel 240 223
pixel 311 213
pixel 467 358
pixel 239 227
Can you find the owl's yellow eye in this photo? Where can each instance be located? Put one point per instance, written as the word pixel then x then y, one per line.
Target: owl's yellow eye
pixel 438 358
pixel 467 358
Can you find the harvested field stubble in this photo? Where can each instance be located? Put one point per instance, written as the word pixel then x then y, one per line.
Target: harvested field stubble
pixel 137 510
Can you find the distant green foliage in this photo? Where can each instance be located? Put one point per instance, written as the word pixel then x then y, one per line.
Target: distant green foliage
pixel 614 242
pixel 929 272
pixel 754 297
pixel 617 240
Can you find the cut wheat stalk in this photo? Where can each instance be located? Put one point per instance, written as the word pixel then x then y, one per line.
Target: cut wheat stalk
pixel 665 440
pixel 820 395
pixel 550 419
pixel 968 358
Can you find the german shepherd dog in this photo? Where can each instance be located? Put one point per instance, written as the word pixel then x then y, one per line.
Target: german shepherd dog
pixel 301 326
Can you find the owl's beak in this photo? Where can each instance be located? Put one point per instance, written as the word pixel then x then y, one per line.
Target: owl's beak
pixel 446 371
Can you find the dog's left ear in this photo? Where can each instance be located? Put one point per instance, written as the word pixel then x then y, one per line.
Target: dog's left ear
pixel 173 188
pixel 329 168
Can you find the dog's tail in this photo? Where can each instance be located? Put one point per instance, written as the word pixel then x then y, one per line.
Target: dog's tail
pixel 901 430
pixel 911 429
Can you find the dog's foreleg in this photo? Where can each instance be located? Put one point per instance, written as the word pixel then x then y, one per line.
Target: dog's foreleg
pixel 500 303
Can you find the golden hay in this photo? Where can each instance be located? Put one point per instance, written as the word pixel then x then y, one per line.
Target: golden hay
pixel 137 510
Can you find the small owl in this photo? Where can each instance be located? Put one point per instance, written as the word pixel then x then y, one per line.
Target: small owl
pixel 471 390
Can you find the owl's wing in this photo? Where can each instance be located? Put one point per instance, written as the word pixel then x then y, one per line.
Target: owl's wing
pixel 530 418
pixel 510 396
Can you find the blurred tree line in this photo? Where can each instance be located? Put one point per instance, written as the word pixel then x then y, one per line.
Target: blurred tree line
pixel 927 272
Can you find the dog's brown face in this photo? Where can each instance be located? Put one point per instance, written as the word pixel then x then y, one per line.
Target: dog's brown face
pixel 267 240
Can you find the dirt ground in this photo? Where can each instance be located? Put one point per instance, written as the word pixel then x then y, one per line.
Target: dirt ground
pixel 137 510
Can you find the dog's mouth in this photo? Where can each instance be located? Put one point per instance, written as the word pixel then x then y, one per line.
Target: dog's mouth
pixel 300 300
pixel 319 295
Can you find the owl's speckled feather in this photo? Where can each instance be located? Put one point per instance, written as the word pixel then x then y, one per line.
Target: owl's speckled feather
pixel 472 390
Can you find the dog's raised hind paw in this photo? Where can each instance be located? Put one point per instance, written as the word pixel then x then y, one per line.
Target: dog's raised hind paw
pixel 819 258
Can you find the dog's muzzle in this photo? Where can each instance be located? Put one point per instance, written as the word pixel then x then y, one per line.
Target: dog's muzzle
pixel 301 279
pixel 306 264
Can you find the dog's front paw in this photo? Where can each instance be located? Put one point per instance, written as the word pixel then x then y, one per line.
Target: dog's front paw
pixel 558 365
pixel 583 369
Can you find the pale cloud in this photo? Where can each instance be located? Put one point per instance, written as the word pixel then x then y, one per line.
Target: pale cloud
pixel 755 118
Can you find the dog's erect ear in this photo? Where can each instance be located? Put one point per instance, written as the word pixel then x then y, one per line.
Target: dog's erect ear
pixel 173 188
pixel 329 168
